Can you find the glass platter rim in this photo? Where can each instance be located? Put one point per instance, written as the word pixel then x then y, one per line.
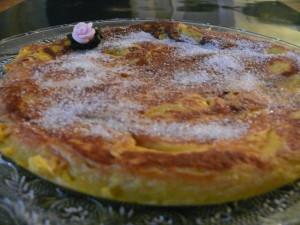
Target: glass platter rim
pixel 115 22
pixel 128 21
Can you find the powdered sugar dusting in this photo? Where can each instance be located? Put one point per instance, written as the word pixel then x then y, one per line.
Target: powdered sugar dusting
pixel 91 69
pixel 109 96
pixel 215 130
pixel 247 82
pixel 112 121
pixel 191 77
pixel 190 48
pixel 129 40
pixel 187 48
pixel 203 131
pixel 223 71
pixel 61 114
pixel 224 64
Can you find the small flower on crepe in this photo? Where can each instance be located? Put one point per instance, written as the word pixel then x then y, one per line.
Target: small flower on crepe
pixel 84 36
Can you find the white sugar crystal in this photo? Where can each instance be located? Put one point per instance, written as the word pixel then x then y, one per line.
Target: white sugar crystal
pixel 247 44
pixel 192 50
pixel 109 119
pixel 181 131
pixel 295 57
pixel 225 72
pixel 59 116
pixel 191 77
pixel 189 48
pixel 129 40
pixel 72 64
pixel 64 113
pixel 79 83
pixel 247 82
pixel 90 70
pixel 202 131
pixel 104 129
pixel 224 64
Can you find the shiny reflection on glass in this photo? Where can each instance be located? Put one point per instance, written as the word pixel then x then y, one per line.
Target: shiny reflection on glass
pixel 273 12
pixel 280 19
pixel 198 6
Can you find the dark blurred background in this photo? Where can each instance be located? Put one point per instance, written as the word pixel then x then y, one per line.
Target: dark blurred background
pixel 279 18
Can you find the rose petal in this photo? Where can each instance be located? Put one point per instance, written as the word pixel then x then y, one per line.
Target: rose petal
pixel 87 35
pixel 79 25
pixel 83 32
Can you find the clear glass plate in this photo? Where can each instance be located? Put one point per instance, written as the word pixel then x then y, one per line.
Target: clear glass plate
pixel 26 199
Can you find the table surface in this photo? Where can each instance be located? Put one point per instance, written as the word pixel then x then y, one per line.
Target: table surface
pixel 280 19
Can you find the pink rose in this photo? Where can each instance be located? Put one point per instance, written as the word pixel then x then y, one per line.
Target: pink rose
pixel 83 32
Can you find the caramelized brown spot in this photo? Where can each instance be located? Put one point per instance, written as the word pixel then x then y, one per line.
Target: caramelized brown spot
pixel 210 160
pixel 282 66
pixel 50 52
